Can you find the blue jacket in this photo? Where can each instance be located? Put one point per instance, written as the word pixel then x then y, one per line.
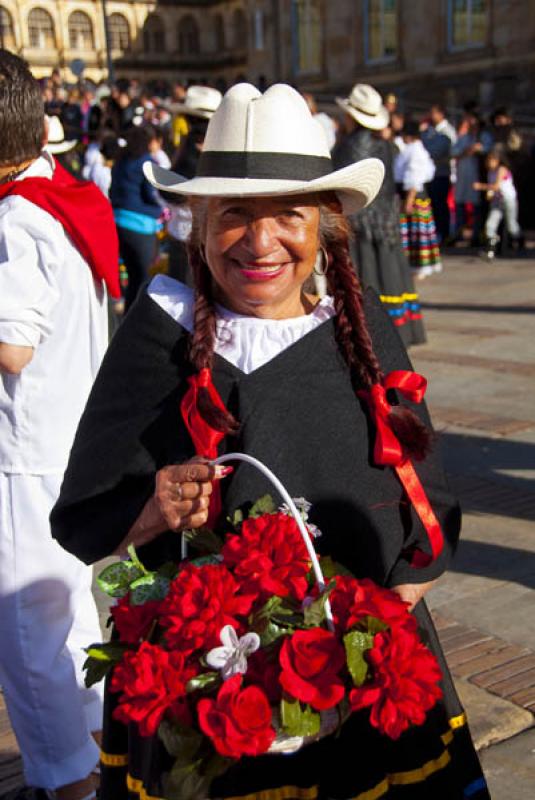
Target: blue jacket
pixel 130 189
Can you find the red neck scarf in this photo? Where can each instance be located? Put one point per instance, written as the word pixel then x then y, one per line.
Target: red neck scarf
pixel 387 450
pixel 85 214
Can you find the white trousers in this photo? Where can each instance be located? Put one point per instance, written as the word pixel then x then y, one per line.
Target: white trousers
pixel 47 616
pixel 509 208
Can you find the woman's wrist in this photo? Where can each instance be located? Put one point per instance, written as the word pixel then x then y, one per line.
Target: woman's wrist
pixel 147 527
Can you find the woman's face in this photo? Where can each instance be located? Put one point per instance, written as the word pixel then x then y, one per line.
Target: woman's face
pixel 260 251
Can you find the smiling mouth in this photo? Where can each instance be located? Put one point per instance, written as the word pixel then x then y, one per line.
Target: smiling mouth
pixel 258 272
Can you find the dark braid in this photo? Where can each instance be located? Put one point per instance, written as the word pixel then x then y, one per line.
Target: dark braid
pixel 352 331
pixel 202 341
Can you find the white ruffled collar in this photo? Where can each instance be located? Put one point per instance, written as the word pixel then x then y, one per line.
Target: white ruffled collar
pixel 246 342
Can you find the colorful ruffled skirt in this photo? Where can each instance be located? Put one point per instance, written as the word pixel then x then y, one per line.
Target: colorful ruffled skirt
pixel 419 238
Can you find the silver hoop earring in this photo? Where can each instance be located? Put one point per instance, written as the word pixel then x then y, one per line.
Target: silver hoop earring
pixel 202 251
pixel 321 257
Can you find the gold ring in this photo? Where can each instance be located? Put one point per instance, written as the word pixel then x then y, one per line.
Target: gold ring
pixel 178 490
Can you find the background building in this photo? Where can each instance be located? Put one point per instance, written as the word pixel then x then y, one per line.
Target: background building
pixel 149 38
pixel 449 50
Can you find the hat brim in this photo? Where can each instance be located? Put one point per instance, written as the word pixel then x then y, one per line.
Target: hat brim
pixel 356 185
pixel 188 111
pixel 375 122
pixel 56 148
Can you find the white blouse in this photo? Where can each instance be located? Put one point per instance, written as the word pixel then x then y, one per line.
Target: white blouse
pixel 246 342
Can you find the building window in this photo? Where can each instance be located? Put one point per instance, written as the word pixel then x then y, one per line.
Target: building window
pixel 307 39
pixel 7 34
pixel 219 32
pixel 239 25
pixel 154 34
pixel 467 23
pixel 189 38
pixel 119 32
pixel 41 29
pixel 380 30
pixel 80 32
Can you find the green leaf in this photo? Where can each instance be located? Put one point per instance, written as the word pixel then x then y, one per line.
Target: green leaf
pixel 356 643
pixel 181 742
pixel 331 568
pixel 131 550
pixel 372 625
pixel 168 570
pixel 203 561
pixel 264 505
pixel 314 613
pixel 207 680
pixel 115 579
pixel 237 518
pixel 149 587
pixel 298 720
pixel 272 632
pixel 192 781
pixel 100 660
pixel 203 540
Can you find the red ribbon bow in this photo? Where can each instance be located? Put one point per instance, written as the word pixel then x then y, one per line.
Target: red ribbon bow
pixel 205 438
pixel 388 451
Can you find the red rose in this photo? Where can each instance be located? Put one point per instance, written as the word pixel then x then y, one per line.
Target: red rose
pixel 200 602
pixel 353 599
pixel 238 721
pixel 269 554
pixel 404 684
pixel 310 661
pixel 134 622
pixel 153 684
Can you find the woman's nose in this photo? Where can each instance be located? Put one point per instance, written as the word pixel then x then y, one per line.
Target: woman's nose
pixel 261 236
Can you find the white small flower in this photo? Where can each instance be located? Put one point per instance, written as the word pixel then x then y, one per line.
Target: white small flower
pixel 303 506
pixel 231 659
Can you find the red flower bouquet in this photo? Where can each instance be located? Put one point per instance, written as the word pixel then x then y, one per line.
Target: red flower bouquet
pixel 238 653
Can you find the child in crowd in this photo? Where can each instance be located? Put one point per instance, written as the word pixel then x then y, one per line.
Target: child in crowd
pixel 503 203
pixel 413 169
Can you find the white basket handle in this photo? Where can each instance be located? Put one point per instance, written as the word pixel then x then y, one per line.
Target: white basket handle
pixel 320 580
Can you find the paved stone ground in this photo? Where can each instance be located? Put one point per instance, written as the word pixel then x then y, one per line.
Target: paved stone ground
pixel 480 361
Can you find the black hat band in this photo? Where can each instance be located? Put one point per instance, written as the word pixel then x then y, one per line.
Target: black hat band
pixel 266 166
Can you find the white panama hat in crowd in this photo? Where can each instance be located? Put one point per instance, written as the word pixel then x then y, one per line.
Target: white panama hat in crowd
pixel 365 105
pixel 200 101
pixel 57 143
pixel 266 145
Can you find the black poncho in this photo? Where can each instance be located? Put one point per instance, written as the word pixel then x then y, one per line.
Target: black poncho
pixel 300 415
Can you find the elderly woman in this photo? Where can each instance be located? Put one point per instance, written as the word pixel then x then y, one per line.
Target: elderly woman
pixel 276 373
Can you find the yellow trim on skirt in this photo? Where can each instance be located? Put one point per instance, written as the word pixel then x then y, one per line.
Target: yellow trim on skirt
pixel 297 793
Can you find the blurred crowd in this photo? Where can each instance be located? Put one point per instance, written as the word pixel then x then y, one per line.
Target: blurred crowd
pixel 476 172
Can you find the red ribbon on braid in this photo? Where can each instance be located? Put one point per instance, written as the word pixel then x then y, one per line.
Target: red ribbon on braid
pixel 205 438
pixel 389 452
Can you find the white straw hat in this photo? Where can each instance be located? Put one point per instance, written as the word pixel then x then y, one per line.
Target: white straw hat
pixel 200 101
pixel 268 145
pixel 365 105
pixel 56 137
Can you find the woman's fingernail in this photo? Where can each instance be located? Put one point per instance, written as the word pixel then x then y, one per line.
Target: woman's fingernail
pixel 222 472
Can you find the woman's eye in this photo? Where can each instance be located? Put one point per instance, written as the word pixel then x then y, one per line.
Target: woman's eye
pixel 290 213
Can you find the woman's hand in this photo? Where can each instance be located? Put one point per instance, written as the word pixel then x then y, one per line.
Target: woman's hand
pixel 181 499
pixel 412 593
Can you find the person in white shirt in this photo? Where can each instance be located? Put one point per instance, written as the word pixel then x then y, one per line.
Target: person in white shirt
pixel 53 334
pixel 414 169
